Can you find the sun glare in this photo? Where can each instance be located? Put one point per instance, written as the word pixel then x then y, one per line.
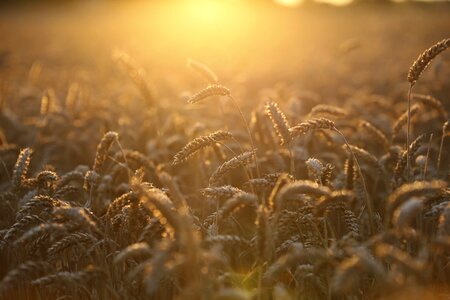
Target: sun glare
pixel 206 11
pixel 290 3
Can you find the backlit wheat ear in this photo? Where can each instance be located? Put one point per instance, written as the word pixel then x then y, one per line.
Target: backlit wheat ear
pixel 415 70
pixel 425 59
pixel 402 120
pixel 136 74
pixel 350 174
pixel 77 238
pixel 115 206
pixel 378 136
pixel 292 189
pixel 401 258
pixel 162 207
pixel 367 157
pixel 414 189
pixel 433 103
pixel 199 143
pixel 279 121
pixel 71 279
pixel 407 212
pixel 102 150
pixel 330 110
pixel 313 124
pixel 221 192
pixel 134 250
pixel 327 172
pixel 211 90
pixel 232 205
pixel 19 227
pixel 203 70
pixel 21 168
pixel 69 177
pixel 315 168
pixel 26 271
pixel 236 162
pixel 400 167
pixel 350 270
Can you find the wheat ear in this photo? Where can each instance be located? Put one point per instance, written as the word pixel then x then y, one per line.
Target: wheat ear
pixel 236 162
pixel 279 121
pixel 414 73
pixel 199 143
pixel 445 128
pixel 203 70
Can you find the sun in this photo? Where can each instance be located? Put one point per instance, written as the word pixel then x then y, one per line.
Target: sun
pixel 290 3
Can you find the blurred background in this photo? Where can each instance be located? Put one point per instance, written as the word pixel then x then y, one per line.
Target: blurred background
pixel 362 45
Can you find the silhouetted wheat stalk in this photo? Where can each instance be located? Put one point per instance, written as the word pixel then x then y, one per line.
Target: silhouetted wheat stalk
pixel 416 69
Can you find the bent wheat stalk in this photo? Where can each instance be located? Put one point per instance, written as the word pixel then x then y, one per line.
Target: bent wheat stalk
pixel 220 90
pixel 419 65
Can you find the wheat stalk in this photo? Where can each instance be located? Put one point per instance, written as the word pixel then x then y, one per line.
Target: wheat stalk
pixel 445 130
pixel 235 162
pixel 279 121
pixel 209 91
pixel 203 70
pixel 414 73
pixel 199 143
pixel 313 124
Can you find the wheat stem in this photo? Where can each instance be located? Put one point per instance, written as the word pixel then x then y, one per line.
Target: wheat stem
pixel 368 201
pixel 408 134
pixel 248 132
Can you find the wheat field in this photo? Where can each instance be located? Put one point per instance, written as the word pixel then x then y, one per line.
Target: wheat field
pixel 236 150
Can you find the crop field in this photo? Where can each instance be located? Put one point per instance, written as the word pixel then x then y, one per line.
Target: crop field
pixel 224 150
